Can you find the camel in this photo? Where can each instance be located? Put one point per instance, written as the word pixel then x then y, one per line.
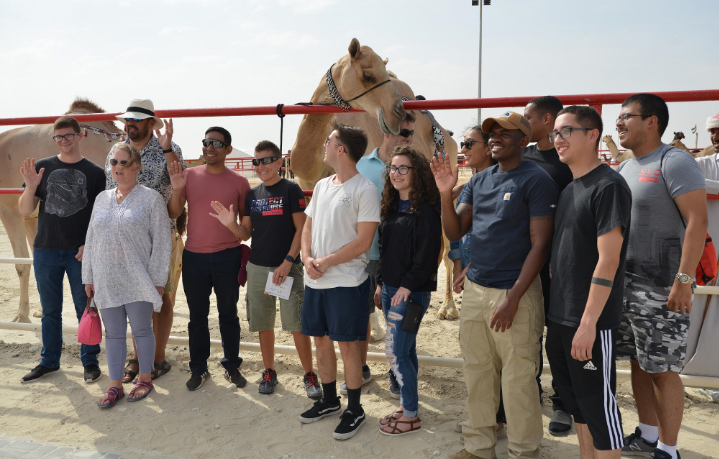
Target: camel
pixel 677 142
pixel 619 156
pixel 355 73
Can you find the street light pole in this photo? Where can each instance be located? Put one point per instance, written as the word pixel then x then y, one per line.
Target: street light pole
pixel 479 83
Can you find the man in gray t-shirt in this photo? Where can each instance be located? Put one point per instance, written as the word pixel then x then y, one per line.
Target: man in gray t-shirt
pixel 662 255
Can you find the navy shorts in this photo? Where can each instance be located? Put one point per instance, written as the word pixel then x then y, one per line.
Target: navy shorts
pixel 339 312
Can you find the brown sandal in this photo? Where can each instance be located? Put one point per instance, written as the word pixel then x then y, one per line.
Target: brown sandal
pixel 390 418
pixel 130 374
pixel 396 432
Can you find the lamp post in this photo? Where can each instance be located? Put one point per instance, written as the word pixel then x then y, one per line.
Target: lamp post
pixel 479 84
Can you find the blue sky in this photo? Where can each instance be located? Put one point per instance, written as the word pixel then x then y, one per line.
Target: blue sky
pixel 207 53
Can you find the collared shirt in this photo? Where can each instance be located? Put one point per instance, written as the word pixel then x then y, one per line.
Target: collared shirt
pixel 154 173
pixel 373 168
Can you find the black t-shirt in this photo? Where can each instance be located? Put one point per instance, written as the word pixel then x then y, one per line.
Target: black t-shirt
pixel 67 193
pixel 270 209
pixel 549 161
pixel 589 207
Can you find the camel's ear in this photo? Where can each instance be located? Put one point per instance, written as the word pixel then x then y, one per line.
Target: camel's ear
pixel 386 60
pixel 354 48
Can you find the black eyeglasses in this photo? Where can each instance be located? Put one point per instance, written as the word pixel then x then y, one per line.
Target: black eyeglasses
pixel 214 142
pixel 402 170
pixel 469 143
pixel 625 117
pixel 137 120
pixel 267 160
pixel 121 162
pixel 565 133
pixel 68 137
pixel 406 133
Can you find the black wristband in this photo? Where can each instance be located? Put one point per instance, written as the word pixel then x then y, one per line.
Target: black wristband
pixel 169 150
pixel 602 282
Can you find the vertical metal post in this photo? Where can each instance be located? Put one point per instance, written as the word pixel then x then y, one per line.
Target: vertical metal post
pixel 479 86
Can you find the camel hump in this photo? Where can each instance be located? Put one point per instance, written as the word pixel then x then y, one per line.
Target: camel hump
pixel 83 105
pixel 354 48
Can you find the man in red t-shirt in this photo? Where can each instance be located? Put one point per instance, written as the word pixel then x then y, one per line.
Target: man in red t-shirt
pixel 212 255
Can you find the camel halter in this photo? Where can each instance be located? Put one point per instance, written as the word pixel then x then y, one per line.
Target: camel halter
pixel 339 101
pixel 110 136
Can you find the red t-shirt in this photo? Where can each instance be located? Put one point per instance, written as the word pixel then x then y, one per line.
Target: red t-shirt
pixel 205 234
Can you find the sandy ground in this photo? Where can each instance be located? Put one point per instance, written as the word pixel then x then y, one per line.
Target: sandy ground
pixel 218 422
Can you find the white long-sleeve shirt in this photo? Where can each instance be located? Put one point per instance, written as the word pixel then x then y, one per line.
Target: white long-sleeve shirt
pixel 127 248
pixel 710 170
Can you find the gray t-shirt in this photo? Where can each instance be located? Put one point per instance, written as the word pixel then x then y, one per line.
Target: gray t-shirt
pixel 657 235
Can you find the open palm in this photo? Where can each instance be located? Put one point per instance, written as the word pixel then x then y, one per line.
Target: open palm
pixel 445 178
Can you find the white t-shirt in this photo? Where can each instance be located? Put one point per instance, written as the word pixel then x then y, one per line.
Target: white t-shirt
pixel 335 211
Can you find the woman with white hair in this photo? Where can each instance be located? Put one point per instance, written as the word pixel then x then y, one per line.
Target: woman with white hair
pixel 125 267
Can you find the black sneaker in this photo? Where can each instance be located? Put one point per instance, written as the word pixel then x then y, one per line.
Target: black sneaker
pixel 659 454
pixel 350 423
pixel 269 381
pixel 312 386
pixel 92 373
pixel 37 373
pixel 319 410
pixel 235 377
pixel 197 380
pixel 393 385
pixel 636 445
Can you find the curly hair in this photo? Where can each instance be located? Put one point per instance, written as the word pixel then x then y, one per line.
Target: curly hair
pixel 424 188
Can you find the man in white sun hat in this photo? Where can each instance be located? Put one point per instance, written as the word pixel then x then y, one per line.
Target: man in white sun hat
pixel 156 151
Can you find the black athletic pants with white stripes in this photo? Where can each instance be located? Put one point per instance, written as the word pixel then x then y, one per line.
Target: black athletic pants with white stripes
pixel 587 387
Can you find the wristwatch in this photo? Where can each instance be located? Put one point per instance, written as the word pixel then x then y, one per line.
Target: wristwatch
pixel 290 259
pixel 686 279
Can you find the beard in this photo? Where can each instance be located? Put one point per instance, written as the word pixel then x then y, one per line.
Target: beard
pixel 138 133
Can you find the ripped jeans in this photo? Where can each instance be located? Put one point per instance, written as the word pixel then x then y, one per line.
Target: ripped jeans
pixel 401 347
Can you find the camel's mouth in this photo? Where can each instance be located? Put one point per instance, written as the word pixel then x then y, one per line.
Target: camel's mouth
pixel 383 124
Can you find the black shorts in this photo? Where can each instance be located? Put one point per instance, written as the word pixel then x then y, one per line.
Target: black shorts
pixel 587 388
pixel 340 312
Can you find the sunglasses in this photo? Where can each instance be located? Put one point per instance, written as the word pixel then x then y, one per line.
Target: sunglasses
pixel 265 161
pixel 406 133
pixel 68 137
pixel 468 144
pixel 137 120
pixel 214 142
pixel 121 162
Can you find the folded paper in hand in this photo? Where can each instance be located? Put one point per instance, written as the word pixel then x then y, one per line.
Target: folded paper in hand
pixel 280 291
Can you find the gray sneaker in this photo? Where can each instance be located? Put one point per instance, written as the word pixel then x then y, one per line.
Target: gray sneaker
pixel 561 424
pixel 312 386
pixel 366 377
pixel 394 390
pixel 635 445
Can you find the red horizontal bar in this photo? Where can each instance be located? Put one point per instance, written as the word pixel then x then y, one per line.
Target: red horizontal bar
pixel 20 190
pixel 440 104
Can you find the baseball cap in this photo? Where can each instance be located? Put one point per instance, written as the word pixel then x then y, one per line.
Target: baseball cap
pixel 509 120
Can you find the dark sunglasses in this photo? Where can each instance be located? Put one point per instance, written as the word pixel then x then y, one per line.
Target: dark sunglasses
pixel 265 161
pixel 468 144
pixel 137 120
pixel 214 142
pixel 121 162
pixel 406 133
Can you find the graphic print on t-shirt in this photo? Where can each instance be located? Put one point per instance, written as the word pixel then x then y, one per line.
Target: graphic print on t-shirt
pixel 268 206
pixel 345 200
pixel 66 192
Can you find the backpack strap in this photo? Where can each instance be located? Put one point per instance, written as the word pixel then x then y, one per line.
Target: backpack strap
pixel 661 168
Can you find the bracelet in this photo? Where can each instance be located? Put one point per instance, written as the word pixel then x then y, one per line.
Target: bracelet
pixel 169 150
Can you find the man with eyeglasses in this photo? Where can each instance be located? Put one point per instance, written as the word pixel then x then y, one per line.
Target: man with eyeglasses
pixel 65 186
pixel 541 112
pixel 510 208
pixel 156 151
pixel 669 214
pixel 211 259
pixel 588 261
pixel 373 166
pixel 341 221
pixel 274 221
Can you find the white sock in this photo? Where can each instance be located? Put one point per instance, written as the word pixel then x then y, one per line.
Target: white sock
pixel 649 433
pixel 668 449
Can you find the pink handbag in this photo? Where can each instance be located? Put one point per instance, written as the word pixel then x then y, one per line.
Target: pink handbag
pixel 90 329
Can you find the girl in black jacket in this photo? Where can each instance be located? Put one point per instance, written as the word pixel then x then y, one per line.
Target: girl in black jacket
pixel 410 239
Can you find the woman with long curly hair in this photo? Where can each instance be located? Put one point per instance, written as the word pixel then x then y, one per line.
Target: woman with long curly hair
pixel 409 243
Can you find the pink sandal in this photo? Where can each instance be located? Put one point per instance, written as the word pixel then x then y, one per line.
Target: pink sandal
pixel 113 395
pixel 140 385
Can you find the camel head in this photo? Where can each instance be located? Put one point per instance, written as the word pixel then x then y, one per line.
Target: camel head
pixel 607 139
pixel 678 135
pixel 363 73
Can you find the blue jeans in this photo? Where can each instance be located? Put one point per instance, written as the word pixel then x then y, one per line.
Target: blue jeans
pixel 50 269
pixel 201 273
pixel 401 347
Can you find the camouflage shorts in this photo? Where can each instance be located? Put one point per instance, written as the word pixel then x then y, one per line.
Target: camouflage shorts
pixel 650 333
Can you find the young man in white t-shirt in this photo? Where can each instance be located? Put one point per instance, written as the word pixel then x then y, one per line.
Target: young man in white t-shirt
pixel 341 221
